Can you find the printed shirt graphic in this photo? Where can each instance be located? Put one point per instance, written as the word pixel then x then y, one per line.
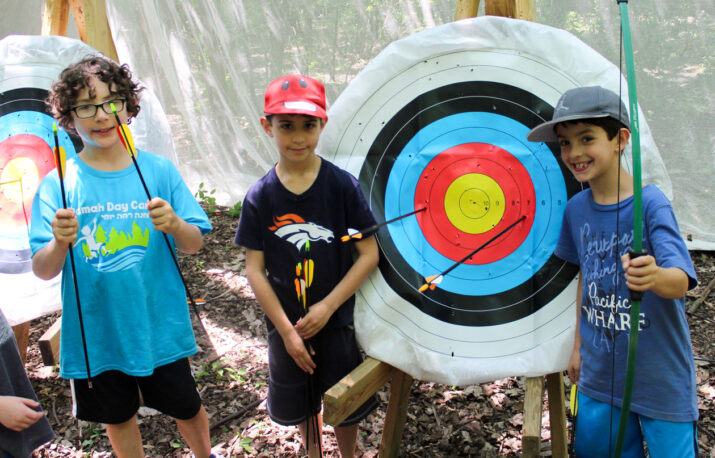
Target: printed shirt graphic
pixel 133 301
pixel 664 386
pixel 280 223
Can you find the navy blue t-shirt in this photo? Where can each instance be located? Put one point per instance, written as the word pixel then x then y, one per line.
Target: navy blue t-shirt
pixel 279 223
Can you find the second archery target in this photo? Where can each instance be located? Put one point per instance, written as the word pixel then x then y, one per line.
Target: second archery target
pixel 439 121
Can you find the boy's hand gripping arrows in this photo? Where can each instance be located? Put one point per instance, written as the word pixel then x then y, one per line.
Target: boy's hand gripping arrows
pixel 60 160
pixel 304 278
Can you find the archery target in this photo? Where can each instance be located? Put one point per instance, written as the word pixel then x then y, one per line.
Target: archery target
pixel 439 121
pixel 26 156
pixel 30 64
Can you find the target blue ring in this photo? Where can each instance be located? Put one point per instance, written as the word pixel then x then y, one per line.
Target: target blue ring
pixel 544 171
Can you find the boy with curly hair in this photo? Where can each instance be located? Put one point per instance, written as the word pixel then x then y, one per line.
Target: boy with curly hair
pixel 136 323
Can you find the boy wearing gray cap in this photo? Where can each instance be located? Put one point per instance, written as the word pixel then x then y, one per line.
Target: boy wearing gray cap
pixel 592 128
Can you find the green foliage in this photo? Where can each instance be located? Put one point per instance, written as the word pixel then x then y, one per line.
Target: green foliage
pixel 235 211
pixel 246 444
pixel 177 444
pixel 206 199
pixel 95 432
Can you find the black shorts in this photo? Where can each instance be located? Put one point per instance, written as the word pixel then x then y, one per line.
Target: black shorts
pixel 115 396
pixel 336 355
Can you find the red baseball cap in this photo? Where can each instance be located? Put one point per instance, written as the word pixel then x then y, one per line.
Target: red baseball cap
pixel 295 94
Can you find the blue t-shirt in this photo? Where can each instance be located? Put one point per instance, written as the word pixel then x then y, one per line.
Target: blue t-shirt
pixel 278 222
pixel 664 385
pixel 132 299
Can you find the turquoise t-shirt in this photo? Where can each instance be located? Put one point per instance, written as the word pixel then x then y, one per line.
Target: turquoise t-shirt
pixel 132 299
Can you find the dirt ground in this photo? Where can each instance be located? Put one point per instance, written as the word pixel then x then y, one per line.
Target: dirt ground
pixel 442 421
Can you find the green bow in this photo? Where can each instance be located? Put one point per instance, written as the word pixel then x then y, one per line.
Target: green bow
pixel 637 226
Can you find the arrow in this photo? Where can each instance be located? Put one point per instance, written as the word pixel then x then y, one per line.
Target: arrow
pixel 126 137
pixel 60 160
pixel 355 234
pixel 433 280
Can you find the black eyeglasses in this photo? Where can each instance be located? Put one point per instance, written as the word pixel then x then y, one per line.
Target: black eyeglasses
pixel 89 110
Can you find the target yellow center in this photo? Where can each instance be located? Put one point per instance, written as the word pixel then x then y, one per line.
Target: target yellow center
pixel 474 203
pixel 19 179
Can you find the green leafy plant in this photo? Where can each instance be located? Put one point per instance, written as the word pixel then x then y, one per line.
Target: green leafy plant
pixel 235 211
pixel 177 444
pixel 246 444
pixel 206 199
pixel 95 432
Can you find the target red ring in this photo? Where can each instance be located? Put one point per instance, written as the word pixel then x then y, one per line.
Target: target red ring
pixel 25 159
pixel 515 189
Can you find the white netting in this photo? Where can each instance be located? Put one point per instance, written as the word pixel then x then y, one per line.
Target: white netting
pixel 210 61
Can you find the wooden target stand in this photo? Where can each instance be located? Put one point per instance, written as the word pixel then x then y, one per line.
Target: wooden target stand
pixel 363 382
pixel 91 19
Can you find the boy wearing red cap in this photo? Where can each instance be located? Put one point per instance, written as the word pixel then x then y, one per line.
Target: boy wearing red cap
pixel 304 278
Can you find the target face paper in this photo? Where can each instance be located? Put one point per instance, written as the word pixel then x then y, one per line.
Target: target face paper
pixel 439 121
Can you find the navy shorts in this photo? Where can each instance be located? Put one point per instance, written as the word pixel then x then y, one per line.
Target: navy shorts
pixel 115 396
pixel 336 355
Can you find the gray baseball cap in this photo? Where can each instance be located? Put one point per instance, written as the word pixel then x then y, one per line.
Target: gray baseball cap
pixel 582 103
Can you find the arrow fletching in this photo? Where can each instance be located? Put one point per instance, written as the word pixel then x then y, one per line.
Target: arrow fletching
pixel 431 282
pixel 573 404
pixel 351 233
pixel 60 153
pixel 309 267
pixel 125 135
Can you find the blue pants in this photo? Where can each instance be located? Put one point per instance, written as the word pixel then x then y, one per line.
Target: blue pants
pixel 665 439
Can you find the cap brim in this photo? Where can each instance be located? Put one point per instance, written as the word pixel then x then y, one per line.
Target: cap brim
pixel 281 108
pixel 545 132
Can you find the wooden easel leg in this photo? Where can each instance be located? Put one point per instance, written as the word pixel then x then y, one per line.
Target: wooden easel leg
pixel 557 414
pixel 396 414
pixel 531 437
pixel 22 336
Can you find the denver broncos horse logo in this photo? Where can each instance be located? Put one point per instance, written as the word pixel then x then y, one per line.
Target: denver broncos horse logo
pixel 294 229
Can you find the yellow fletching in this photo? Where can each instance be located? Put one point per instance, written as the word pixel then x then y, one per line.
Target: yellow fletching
pixel 309 268
pixel 573 404
pixel 125 135
pixel 424 287
pixel 358 236
pixel 63 160
pixel 345 238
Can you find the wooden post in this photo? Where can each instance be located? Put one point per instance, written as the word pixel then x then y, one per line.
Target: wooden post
pixel 54 18
pixel 90 17
pixel 518 9
pixel 466 9
pixel 396 414
pixel 22 336
pixel 531 436
pixel 356 387
pixel 557 415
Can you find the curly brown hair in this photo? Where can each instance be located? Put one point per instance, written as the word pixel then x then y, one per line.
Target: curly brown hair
pixel 63 94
